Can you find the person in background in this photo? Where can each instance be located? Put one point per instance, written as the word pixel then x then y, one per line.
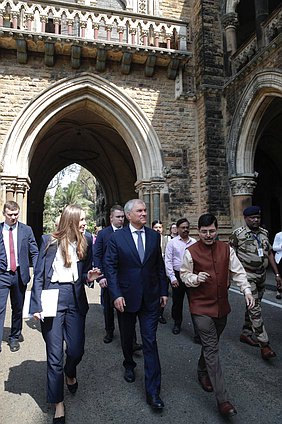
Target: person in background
pixel 277 247
pixel 173 259
pixel 19 246
pixel 99 250
pixel 64 263
pixel 157 225
pixel 173 232
pixel 254 251
pixel 208 266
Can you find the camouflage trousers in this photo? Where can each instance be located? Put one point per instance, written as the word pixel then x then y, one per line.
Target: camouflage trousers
pixel 253 317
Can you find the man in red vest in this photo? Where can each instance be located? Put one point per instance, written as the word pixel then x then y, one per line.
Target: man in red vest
pixel 208 268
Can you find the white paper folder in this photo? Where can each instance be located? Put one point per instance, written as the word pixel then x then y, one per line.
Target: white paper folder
pixel 49 300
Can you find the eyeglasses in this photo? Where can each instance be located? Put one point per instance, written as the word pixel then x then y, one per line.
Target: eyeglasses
pixel 206 232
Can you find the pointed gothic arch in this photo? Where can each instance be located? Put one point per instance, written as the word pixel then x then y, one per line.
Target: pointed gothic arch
pixel 245 134
pixel 104 99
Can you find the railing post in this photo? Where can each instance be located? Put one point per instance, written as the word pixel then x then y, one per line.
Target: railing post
pixel 57 25
pixel 43 23
pixel 109 30
pixel 96 30
pixel 70 26
pixel 15 20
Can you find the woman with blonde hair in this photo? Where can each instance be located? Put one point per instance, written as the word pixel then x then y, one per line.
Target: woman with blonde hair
pixel 64 263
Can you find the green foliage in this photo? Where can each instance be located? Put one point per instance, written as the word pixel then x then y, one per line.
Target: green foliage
pixel 81 191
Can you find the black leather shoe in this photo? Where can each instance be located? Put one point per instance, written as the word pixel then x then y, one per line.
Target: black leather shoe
pixel 72 387
pixel 14 345
pixel 59 420
pixel 109 337
pixel 205 382
pixel 136 347
pixel 155 402
pixel 162 320
pixel 129 375
pixel 176 329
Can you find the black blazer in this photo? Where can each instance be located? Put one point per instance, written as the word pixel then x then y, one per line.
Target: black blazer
pixel 44 271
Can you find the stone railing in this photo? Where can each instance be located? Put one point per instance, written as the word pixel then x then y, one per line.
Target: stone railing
pixel 271 29
pixel 273 26
pixel 93 24
pixel 244 54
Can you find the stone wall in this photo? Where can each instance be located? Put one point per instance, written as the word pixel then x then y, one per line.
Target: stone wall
pixel 173 120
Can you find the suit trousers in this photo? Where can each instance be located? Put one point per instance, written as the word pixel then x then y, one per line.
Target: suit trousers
pixel 109 316
pixel 209 329
pixel 11 282
pixel 68 326
pixel 148 322
pixel 178 294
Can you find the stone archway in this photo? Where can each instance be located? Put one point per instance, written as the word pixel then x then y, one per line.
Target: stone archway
pixel 245 136
pixel 55 112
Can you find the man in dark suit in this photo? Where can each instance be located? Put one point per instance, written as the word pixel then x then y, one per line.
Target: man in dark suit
pixel 19 246
pixel 137 284
pixel 100 246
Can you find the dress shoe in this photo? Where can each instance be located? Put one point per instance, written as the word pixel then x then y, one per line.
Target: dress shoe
pixel 205 382
pixel 72 387
pixel 59 420
pixel 267 352
pixel 109 337
pixel 14 345
pixel 278 295
pixel 162 320
pixel 249 340
pixel 176 329
pixel 137 347
pixel 227 409
pixel 129 375
pixel 21 338
pixel 155 402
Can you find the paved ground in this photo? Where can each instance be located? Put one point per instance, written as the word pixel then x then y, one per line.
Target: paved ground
pixel 104 396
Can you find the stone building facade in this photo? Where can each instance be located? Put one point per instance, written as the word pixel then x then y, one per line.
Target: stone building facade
pixel 176 102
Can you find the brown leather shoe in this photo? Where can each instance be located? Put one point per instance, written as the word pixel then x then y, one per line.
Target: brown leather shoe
pixel 227 409
pixel 249 340
pixel 267 352
pixel 205 382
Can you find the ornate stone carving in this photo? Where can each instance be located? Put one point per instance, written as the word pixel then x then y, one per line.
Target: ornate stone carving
pixel 242 185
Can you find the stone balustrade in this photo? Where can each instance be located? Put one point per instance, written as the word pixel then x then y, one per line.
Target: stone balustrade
pixel 271 29
pixel 273 26
pixel 93 24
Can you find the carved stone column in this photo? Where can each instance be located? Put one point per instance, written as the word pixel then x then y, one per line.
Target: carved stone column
pixel 152 192
pixel 242 189
pixel 15 188
pixel 230 22
pixel 143 191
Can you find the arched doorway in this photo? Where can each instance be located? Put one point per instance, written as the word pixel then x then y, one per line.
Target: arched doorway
pixel 255 150
pixel 90 121
pixel 268 167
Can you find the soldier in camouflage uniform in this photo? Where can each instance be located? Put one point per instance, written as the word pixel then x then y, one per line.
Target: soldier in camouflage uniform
pixel 254 250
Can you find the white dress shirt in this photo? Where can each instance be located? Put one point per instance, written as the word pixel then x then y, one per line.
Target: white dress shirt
pixel 135 235
pixel 60 272
pixel 6 229
pixel 277 247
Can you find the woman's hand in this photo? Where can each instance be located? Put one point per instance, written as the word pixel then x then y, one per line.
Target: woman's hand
pixel 37 316
pixel 93 274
